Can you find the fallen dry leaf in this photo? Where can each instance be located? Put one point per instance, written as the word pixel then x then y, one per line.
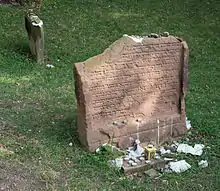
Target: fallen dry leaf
pixel 5 150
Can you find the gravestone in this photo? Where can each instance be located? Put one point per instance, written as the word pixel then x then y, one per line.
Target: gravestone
pixel 135 89
pixel 34 27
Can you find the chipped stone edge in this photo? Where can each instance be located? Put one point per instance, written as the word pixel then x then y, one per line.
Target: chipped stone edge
pixel 137 39
pixel 112 52
pixel 184 77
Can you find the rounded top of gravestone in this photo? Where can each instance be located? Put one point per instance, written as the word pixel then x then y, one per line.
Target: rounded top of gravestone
pixel 34 19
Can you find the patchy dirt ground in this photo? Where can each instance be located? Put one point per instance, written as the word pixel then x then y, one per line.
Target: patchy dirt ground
pixel 15 177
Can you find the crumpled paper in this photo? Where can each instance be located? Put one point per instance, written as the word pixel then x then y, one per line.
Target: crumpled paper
pixel 118 162
pixel 203 163
pixel 188 124
pixel 50 66
pixel 179 166
pixel 137 152
pixel 164 151
pixel 185 148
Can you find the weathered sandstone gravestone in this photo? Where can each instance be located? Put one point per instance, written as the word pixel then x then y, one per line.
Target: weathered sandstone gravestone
pixel 135 89
pixel 34 27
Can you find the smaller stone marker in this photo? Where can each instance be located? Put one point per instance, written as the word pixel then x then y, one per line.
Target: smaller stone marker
pixel 34 27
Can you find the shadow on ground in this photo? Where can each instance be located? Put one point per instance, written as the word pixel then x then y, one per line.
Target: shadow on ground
pixel 14 176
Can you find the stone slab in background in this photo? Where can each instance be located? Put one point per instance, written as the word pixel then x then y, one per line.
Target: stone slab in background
pixel 135 89
pixel 13 2
pixel 34 27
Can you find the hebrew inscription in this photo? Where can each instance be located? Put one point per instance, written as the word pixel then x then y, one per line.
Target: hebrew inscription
pixel 139 74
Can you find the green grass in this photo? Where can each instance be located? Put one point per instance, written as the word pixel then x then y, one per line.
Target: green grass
pixel 37 104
